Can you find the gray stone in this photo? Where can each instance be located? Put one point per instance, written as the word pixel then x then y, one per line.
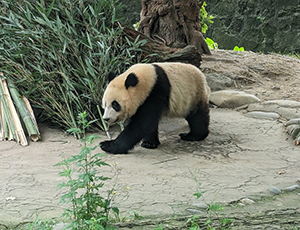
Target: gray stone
pixel 295 121
pixel 292 188
pixel 217 81
pixel 293 130
pixel 201 206
pixel 195 211
pixel 232 98
pixel 275 190
pixel 263 115
pixel 246 201
pixel 283 103
pixel 285 108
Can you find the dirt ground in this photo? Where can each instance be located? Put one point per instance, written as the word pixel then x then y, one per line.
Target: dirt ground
pixel 242 159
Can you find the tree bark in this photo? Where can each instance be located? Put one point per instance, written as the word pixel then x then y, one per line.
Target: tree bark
pixel 188 54
pixel 176 23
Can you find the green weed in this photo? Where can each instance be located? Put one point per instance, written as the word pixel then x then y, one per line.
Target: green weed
pixel 236 48
pixel 215 215
pixel 40 224
pixel 205 18
pixel 89 209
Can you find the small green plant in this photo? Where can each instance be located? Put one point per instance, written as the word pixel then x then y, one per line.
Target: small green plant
pixel 211 44
pixel 193 223
pixel 205 18
pixel 214 211
pixel 134 215
pixel 40 224
pixel 159 228
pixel 89 209
pixel 236 48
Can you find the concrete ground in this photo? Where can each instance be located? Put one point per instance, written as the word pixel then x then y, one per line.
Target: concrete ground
pixel 243 157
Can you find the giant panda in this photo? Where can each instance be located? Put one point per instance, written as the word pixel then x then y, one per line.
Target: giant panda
pixel 146 92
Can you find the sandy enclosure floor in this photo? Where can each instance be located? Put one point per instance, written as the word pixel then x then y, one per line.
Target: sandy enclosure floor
pixel 242 156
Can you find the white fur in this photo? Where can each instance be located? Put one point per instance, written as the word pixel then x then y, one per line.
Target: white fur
pixel 188 89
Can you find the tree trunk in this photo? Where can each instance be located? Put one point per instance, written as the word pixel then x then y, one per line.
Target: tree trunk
pixel 188 54
pixel 176 23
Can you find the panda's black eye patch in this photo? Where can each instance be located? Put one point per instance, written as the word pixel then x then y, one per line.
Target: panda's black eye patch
pixel 116 106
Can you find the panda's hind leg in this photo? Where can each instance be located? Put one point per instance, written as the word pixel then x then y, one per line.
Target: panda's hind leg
pixel 198 121
pixel 151 141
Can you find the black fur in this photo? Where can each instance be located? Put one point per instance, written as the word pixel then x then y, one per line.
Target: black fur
pixel 111 76
pixel 131 80
pixel 144 124
pixel 198 121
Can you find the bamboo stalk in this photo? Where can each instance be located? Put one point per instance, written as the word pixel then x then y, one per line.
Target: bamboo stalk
pixel 21 138
pixel 6 112
pixel 5 132
pixel 24 112
pixel 33 136
pixel 103 123
pixel 2 138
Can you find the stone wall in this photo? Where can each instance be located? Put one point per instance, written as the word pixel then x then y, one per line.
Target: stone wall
pixel 261 25
pixel 257 25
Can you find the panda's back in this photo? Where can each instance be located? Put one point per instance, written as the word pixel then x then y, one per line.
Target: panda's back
pixel 188 87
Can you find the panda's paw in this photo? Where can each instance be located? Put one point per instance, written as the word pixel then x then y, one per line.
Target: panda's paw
pixel 112 147
pixel 149 145
pixel 189 137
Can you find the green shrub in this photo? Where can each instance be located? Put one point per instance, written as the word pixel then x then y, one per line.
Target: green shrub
pixel 89 208
pixel 59 53
pixel 236 48
pixel 205 18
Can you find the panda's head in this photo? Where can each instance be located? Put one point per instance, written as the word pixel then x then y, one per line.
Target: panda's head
pixel 116 102
pixel 126 92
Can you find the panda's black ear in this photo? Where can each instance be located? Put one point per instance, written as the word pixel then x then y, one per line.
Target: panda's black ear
pixel 111 76
pixel 131 80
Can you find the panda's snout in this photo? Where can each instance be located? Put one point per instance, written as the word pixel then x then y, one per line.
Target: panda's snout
pixel 106 119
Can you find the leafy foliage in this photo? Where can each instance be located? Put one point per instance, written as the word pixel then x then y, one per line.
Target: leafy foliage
pixel 59 53
pixel 211 44
pixel 89 209
pixel 236 48
pixel 205 18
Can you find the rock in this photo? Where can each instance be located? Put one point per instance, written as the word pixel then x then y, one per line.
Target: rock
pixel 292 188
pixel 246 201
pixel 283 103
pixel 294 131
pixel 295 121
pixel 195 211
pixel 264 115
pixel 275 190
pixel 232 98
pixel 217 81
pixel 201 206
pixel 285 108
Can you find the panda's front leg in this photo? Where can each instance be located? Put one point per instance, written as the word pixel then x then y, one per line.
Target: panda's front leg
pixel 114 147
pixel 143 125
pixel 133 133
